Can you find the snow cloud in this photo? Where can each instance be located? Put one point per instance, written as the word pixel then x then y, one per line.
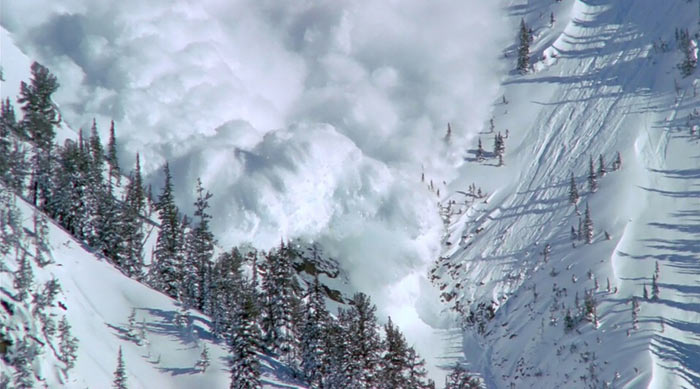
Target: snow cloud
pixel 306 119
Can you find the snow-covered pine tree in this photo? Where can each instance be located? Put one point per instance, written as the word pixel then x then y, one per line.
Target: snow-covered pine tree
pixel 688 48
pixel 120 372
pixel 340 370
pixel 24 356
pixel 394 362
pixel 573 190
pixel 524 48
pixel 313 355
pixel 281 304
pixel 112 160
pixel 617 165
pixel 203 362
pixel 41 245
pixel 601 166
pixel 365 346
pixel 592 177
pixel 108 225
pixel 166 273
pixel 201 250
pixel 460 378
pixel 245 367
pixel 654 288
pixel 588 226
pixel 67 345
pixel 499 148
pixel 480 151
pixel 24 276
pixel 416 373
pixel 40 113
pixel 131 261
pixel 225 288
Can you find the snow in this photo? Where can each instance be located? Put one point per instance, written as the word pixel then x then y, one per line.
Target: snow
pixel 322 128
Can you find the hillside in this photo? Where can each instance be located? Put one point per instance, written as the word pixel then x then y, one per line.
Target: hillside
pixel 604 80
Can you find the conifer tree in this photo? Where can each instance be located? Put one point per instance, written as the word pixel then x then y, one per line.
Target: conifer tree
pixel 617 165
pixel 24 376
pixel 588 226
pixel 167 262
pixel 416 373
pixel 460 378
pixel 654 288
pixel 394 362
pixel 24 276
pixel 40 114
pixel 112 159
pixel 203 362
pixel 131 261
pixel 41 231
pixel 573 191
pixel 524 48
pixel 68 344
pixel 201 249
pixel 499 148
pixel 480 152
pixel 245 367
pixel 688 47
pixel 601 166
pixel 120 373
pixel 365 345
pixel 592 178
pixel 312 350
pixel 225 291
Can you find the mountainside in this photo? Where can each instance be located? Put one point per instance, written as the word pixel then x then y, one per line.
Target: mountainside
pixel 604 80
pixel 556 221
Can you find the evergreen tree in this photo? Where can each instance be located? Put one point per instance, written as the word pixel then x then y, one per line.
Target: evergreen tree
pixel 394 362
pixel 40 113
pixel 654 288
pixel 592 178
pixel 201 249
pixel 688 47
pixel 203 362
pixel 499 148
pixel 416 373
pixel 365 346
pixel 524 48
pixel 601 166
pixel 480 152
pixel 588 226
pixel 108 228
pixel 24 356
pixel 131 261
pixel 245 367
pixel 225 290
pixel 24 276
pixel 573 191
pixel 460 378
pixel 618 162
pixel 120 373
pixel 68 344
pixel 167 262
pixel 281 304
pixel 313 354
pixel 41 245
pixel 112 159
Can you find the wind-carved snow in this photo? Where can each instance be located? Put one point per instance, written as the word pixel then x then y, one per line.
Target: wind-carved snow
pixel 613 86
pixel 312 120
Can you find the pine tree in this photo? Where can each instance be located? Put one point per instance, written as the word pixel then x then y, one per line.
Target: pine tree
pixel 167 262
pixel 24 356
pixel 68 344
pixel 201 249
pixel 688 47
pixel 41 231
pixel 365 346
pixel 592 178
pixel 120 373
pixel 499 148
pixel 203 362
pixel 416 372
pixel 24 276
pixel 524 48
pixel 394 362
pixel 480 152
pixel 281 304
pixel 460 378
pixel 112 159
pixel 588 226
pixel 645 294
pixel 601 166
pixel 245 367
pixel 617 165
pixel 226 287
pixel 40 114
pixel 312 351
pixel 131 261
pixel 573 191
pixel 654 288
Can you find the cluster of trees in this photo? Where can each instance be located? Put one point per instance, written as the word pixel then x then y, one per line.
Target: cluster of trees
pixel 689 49
pixel 257 301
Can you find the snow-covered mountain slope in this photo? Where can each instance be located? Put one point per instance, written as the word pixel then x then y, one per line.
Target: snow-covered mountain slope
pixel 160 348
pixel 604 80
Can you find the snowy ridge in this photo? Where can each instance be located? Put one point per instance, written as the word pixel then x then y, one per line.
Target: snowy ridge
pixel 610 88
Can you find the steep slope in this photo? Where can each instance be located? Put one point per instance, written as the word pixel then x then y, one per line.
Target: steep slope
pixel 604 80
pixel 97 301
